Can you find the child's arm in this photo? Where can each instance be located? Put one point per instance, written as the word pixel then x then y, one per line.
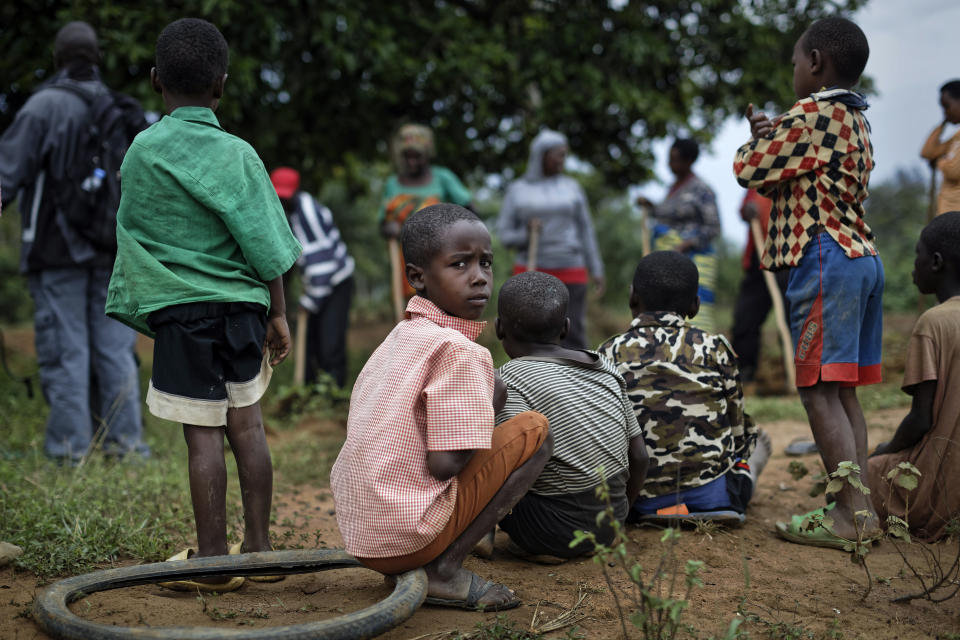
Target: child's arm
pixel 916 423
pixel 788 150
pixel 278 333
pixel 639 461
pixel 499 393
pixel 760 124
pixel 742 426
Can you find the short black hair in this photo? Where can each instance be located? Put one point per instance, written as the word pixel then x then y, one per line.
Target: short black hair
pixel 422 232
pixel 688 149
pixel 532 306
pixel 666 281
pixel 942 235
pixel 843 42
pixel 951 88
pixel 192 55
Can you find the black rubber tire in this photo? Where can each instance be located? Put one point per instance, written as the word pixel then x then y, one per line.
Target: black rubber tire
pixel 51 611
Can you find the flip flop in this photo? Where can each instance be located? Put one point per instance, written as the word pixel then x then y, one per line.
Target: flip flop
pixel 801 447
pixel 818 537
pixel 231 584
pixel 236 549
pixel 478 588
pixel 724 517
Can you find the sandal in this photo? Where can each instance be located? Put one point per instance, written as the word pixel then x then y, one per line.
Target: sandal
pixel 821 536
pixel 231 584
pixel 237 549
pixel 478 588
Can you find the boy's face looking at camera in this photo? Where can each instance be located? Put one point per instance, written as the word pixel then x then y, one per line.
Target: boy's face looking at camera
pixel 459 276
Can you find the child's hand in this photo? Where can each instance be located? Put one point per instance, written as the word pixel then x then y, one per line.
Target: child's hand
pixel 499 393
pixel 278 339
pixel 760 125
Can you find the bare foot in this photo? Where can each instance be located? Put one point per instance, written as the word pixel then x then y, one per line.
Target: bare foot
pixel 843 524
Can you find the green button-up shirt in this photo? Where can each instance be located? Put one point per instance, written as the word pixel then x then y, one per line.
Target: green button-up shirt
pixel 199 221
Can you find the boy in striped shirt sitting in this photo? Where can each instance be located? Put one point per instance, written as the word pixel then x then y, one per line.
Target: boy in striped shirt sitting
pixel 592 422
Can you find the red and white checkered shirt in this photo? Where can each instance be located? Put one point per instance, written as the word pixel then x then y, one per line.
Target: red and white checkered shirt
pixel 428 387
pixel 815 166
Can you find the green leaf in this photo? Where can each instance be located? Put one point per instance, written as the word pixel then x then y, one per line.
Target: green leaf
pixel 835 485
pixel 907 481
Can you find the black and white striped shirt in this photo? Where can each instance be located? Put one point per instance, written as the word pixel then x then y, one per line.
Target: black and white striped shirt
pixel 324 260
pixel 590 417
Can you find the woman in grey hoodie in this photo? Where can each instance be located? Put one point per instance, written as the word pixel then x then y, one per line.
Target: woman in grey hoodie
pixel 553 204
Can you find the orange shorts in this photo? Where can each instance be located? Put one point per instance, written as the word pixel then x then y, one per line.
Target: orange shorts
pixel 514 442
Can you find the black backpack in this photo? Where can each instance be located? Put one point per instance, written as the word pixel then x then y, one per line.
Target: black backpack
pixel 89 193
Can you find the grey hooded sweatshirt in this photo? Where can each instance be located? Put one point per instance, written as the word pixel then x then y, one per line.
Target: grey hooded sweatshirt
pixel 567 239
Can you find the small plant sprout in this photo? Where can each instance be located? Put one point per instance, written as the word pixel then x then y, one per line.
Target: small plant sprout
pixel 820 481
pixel 797 469
pixel 907 476
pixel 940 580
pixel 656 602
pixel 849 472
pixel 846 473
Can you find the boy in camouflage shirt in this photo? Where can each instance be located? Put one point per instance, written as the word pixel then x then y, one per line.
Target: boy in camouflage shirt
pixel 685 389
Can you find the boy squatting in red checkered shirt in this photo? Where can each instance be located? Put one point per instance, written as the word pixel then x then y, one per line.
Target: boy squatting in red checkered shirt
pixel 423 474
pixel 814 162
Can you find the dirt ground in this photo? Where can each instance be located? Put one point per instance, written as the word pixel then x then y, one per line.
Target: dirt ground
pixel 817 589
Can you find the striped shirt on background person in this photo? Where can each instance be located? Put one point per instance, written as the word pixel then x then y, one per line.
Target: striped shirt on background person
pixel 591 418
pixel 325 261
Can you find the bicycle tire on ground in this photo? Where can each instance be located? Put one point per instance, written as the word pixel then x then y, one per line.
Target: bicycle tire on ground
pixel 52 613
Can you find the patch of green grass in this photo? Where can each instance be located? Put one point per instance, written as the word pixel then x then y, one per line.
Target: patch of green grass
pixel 873 397
pixel 765 409
pixel 71 520
pixel 306 458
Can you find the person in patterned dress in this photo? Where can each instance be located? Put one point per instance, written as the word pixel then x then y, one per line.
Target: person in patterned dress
pixel 688 221
pixel 418 183
pixel 814 162
pixel 685 390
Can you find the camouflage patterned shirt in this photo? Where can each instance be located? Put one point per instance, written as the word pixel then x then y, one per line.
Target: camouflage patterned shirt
pixel 685 389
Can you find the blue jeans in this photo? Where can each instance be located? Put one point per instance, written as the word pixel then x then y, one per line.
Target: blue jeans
pixel 74 339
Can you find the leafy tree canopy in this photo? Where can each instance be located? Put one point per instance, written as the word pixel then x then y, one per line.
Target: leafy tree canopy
pixel 323 84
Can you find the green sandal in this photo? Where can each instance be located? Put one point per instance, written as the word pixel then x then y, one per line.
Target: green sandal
pixel 818 537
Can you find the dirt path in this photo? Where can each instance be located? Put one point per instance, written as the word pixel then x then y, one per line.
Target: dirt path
pixel 792 585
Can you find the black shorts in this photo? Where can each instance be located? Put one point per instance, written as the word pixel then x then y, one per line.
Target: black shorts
pixel 545 524
pixel 207 357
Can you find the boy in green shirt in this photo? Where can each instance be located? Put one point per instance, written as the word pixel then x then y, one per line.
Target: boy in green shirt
pixel 202 244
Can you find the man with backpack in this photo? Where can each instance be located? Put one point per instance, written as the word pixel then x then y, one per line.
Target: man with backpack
pixel 60 160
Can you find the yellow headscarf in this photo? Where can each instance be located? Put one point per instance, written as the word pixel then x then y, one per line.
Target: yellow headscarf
pixel 416 137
